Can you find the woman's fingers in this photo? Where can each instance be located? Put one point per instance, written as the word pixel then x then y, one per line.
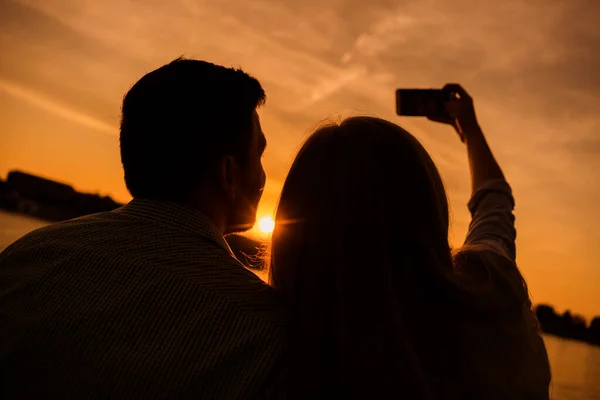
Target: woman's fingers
pixel 457 89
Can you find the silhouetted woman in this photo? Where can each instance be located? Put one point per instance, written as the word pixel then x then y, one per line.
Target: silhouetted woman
pixel 380 306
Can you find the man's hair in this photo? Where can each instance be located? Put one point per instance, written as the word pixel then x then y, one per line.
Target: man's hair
pixel 177 120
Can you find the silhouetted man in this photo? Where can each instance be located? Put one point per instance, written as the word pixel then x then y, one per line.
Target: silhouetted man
pixel 147 301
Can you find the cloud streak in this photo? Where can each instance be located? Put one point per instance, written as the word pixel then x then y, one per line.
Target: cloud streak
pixel 54 107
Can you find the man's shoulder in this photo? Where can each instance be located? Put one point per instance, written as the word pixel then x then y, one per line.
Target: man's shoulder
pixel 106 244
pixel 59 230
pixel 229 280
pixel 124 285
pixel 118 233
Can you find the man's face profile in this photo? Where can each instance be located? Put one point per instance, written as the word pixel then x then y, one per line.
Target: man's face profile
pixel 251 178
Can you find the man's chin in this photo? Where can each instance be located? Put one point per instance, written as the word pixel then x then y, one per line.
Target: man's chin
pixel 239 228
pixel 242 221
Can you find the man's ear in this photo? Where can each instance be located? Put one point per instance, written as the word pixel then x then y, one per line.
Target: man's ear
pixel 227 180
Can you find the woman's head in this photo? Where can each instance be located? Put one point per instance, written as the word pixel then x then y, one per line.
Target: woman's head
pixel 361 228
pixel 365 182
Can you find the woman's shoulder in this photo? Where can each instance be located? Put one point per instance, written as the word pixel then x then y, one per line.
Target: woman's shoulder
pixel 485 260
pixel 492 279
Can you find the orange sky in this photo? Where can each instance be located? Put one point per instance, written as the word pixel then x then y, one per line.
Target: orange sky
pixel 531 66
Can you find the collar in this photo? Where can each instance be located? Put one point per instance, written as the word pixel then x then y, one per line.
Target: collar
pixel 175 215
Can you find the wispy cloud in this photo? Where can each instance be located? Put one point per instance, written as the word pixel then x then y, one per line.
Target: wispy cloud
pixel 53 106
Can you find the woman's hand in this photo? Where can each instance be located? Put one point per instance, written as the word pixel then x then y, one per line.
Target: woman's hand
pixel 460 112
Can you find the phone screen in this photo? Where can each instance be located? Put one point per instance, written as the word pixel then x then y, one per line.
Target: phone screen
pixel 421 102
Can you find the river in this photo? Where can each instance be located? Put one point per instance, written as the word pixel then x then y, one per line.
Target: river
pixel 575 365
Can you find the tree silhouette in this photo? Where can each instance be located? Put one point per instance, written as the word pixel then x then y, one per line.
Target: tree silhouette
pixel 568 325
pixel 594 331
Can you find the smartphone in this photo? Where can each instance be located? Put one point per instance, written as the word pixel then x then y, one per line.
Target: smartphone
pixel 422 102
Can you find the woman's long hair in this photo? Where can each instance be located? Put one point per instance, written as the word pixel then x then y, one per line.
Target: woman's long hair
pixel 361 255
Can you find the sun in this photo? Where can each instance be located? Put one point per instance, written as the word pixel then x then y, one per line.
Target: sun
pixel 266 225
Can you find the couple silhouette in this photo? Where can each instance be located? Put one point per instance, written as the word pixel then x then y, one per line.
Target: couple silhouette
pixel 366 298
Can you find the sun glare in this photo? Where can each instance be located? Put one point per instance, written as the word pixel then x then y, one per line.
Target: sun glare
pixel 266 225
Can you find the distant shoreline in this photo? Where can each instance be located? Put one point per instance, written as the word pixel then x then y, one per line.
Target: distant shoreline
pixel 568 325
pixel 47 199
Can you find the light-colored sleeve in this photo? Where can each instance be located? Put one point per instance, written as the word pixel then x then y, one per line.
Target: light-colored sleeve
pixel 493 222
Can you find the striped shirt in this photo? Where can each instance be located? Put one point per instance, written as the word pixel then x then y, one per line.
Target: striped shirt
pixel 144 302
